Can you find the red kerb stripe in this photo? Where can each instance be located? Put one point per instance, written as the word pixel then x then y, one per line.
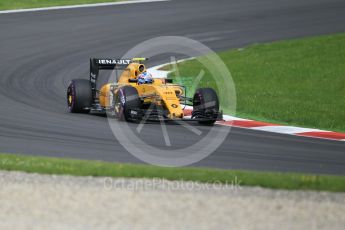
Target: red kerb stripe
pixel 329 135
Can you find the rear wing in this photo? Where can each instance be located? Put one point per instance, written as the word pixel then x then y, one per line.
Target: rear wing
pixel 105 63
pixel 108 64
pixel 97 64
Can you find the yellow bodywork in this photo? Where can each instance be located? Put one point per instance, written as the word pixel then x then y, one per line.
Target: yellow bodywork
pixel 159 92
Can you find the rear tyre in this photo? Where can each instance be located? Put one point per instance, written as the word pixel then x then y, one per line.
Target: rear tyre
pixel 79 96
pixel 205 102
pixel 126 99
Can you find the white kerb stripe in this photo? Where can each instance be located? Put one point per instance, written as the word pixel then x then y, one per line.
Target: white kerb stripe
pixel 78 6
pixel 285 129
pixel 231 118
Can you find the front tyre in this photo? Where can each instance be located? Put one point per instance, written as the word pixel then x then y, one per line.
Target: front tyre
pixel 126 99
pixel 205 106
pixel 79 96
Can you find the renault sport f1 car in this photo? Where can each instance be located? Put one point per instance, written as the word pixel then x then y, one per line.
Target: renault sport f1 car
pixel 133 98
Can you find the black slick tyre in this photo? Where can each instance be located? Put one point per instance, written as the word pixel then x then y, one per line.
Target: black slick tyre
pixel 79 96
pixel 205 101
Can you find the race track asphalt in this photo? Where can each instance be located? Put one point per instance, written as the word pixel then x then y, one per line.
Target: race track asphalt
pixel 40 52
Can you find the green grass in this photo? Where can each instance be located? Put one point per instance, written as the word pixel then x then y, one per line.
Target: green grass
pixel 297 82
pixel 24 4
pixel 290 181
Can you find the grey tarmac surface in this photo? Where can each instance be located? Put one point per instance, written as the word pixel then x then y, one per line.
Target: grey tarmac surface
pixel 42 51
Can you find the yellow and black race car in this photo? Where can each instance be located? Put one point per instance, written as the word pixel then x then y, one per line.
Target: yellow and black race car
pixel 131 99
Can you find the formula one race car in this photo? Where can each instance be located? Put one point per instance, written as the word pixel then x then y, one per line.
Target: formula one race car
pixel 132 99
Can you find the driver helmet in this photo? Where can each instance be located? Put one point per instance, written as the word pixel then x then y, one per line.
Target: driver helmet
pixel 145 78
